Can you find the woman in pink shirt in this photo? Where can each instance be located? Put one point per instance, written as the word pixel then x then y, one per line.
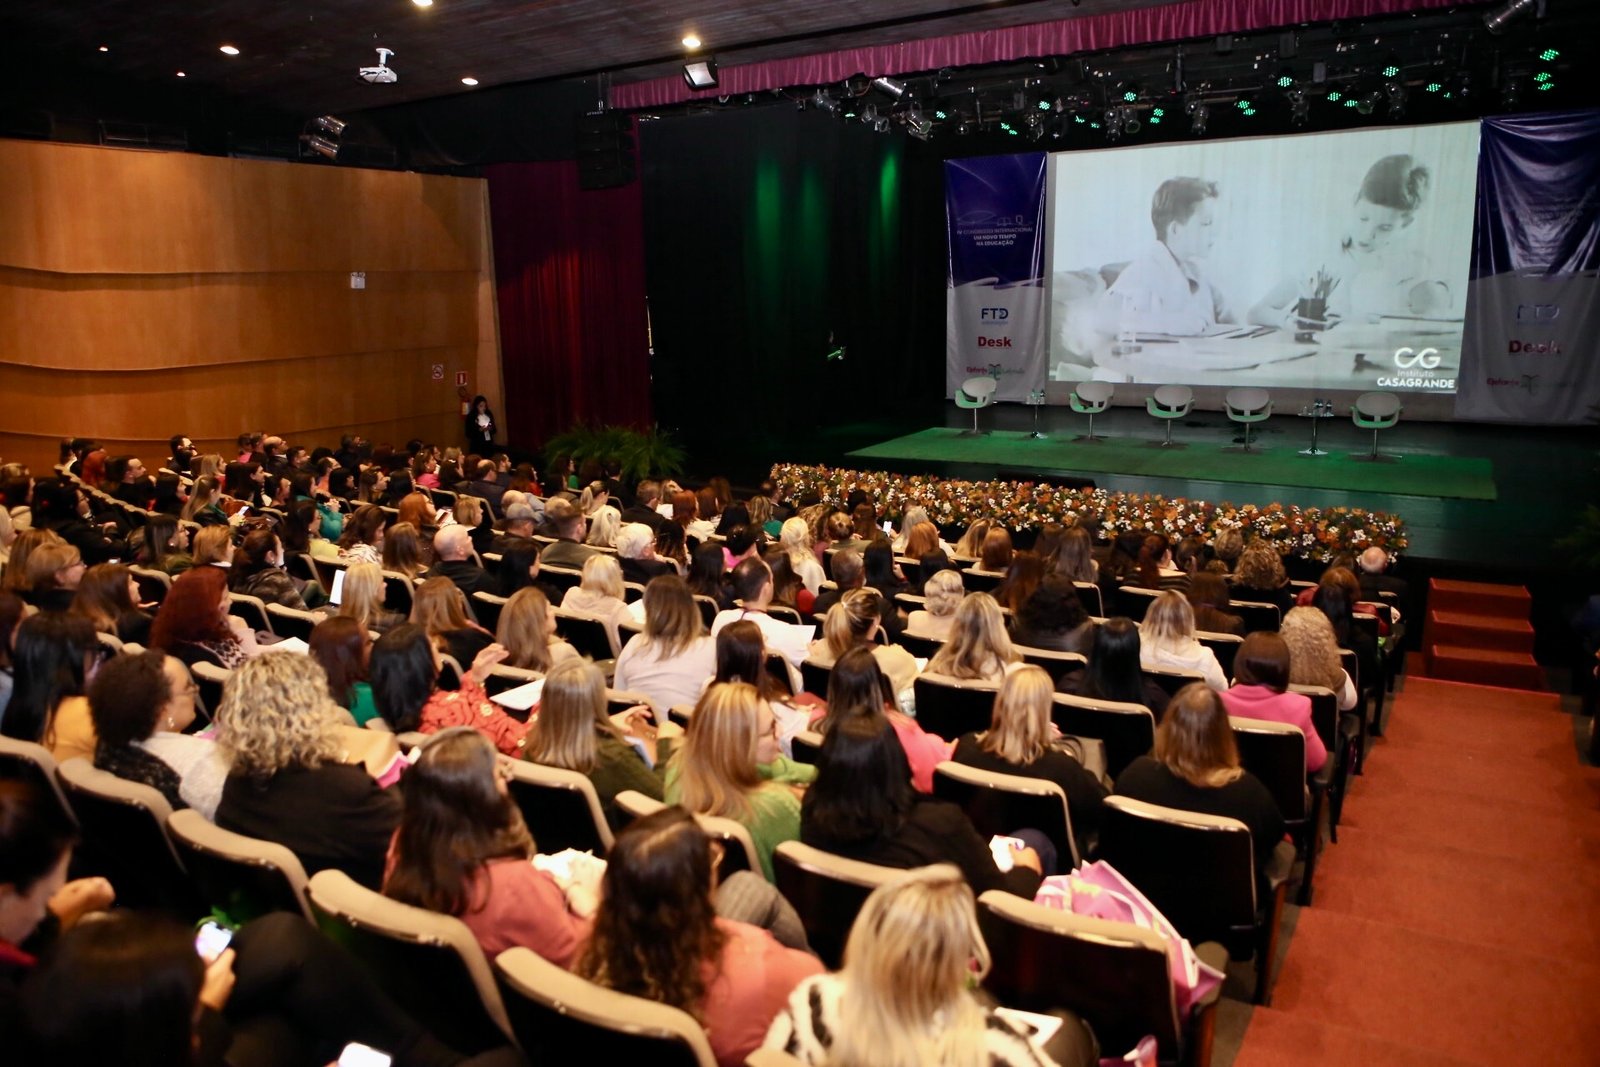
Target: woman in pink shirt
pixel 1260 691
pixel 657 935
pixel 856 685
pixel 463 849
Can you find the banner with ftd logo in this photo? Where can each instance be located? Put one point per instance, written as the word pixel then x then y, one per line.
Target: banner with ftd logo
pixel 1532 347
pixel 995 312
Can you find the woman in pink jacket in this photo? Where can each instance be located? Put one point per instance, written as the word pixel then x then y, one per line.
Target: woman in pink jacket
pixel 1260 691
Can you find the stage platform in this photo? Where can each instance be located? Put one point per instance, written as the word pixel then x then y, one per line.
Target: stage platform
pixel 1446 477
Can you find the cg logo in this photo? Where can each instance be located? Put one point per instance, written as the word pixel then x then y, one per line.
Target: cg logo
pixel 1426 358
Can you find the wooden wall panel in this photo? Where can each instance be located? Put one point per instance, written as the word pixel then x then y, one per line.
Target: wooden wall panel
pixel 118 211
pixel 143 294
pixel 147 322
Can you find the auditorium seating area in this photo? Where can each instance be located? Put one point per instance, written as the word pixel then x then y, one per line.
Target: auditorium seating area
pixel 1418 926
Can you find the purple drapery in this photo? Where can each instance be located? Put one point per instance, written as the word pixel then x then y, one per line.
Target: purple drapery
pixel 569 278
pixel 1090 33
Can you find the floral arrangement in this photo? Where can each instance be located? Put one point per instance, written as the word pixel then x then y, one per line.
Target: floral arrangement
pixel 1316 534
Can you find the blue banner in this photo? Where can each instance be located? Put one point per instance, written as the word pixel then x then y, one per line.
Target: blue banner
pixel 996 322
pixel 1532 347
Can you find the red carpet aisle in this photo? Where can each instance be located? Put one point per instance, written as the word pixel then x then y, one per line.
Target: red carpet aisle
pixel 1458 919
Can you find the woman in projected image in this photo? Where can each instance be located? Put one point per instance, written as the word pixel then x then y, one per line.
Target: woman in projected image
pixel 1372 273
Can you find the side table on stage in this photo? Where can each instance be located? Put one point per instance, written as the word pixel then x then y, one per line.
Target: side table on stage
pixel 1316 412
pixel 1035 401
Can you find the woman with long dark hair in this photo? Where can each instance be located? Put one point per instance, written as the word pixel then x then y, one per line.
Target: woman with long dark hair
pixel 657 935
pixel 405 690
pixel 462 849
pixel 55 658
pixel 1114 672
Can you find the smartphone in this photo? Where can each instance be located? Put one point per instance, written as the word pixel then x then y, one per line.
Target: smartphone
pixel 211 939
pixel 888 527
pixel 243 508
pixel 336 594
pixel 356 1054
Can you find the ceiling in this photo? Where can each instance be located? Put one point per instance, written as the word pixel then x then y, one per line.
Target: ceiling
pixel 302 58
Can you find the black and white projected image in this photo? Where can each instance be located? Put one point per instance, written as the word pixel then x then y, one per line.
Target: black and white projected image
pixel 1333 261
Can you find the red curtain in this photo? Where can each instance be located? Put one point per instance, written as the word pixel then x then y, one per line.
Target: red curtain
pixel 569 275
pixel 1080 33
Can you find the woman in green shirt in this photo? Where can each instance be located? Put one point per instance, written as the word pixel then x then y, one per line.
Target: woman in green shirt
pixel 574 732
pixel 717 772
pixel 343 647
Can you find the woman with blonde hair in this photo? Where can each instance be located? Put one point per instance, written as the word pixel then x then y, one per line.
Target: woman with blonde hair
pixel 1167 641
pixel 1021 740
pixel 205 502
pixel 440 608
pixel 603 527
pixel 362 598
pixel 288 781
pixel 53 572
pixel 528 631
pixel 1196 768
pixel 1226 546
pixel 573 731
pixel 716 772
pixel 213 546
pixel 1074 556
pixel 658 934
pixel 978 646
pixel 904 997
pixel 971 544
pixel 670 661
pixel 854 622
pixel 471 513
pixel 600 594
pixel 943 593
pixel 404 551
pixel 462 849
pixel 1259 576
pixel 210 465
pixel 922 540
pixel 26 544
pixel 108 597
pixel 796 541
pixel 1314 654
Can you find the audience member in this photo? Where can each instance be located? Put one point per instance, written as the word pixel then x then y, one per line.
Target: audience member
pixel 853 622
pixel 1052 617
pixel 452 550
pixel 1260 691
pixel 857 687
pixel 1208 597
pixel 1114 671
pixel 343 648
pixel 141 705
pixel 978 647
pixel 362 599
pixel 1167 641
pixel 670 661
pixel 193 622
pixel 109 598
pixel 54 658
pixel 527 630
pixel 405 689
pixel 440 608
pixel 1314 655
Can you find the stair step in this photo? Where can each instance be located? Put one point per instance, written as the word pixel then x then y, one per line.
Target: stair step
pixel 1471 630
pixel 1479 598
pixel 1484 666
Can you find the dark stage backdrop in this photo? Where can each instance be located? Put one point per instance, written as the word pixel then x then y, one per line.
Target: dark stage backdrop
pixel 569 274
pixel 771 236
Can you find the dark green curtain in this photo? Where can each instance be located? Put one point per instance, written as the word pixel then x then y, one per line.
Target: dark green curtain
pixel 773 236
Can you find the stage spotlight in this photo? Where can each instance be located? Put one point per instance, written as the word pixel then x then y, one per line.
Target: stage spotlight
pixel 329 125
pixel 893 87
pixel 1113 123
pixel 1299 106
pixel 1199 113
pixel 1396 93
pixel 701 73
pixel 919 125
pixel 1511 94
pixel 320 145
pixel 1495 21
pixel 824 102
pixel 1369 101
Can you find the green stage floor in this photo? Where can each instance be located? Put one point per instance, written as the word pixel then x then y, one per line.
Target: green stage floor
pixel 1441 477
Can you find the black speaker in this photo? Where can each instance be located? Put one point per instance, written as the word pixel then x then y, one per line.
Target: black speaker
pixel 605 150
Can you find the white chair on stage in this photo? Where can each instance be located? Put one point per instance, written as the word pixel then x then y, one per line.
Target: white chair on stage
pixel 1375 411
pixel 1168 403
pixel 1247 406
pixel 1091 398
pixel 976 393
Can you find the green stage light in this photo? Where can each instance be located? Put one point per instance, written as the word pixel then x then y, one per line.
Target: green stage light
pixel 1284 81
pixel 1543 76
pixel 1352 102
pixel 1433 87
pixel 1094 125
pixel 1155 120
pixel 1130 96
pixel 1549 54
pixel 1006 126
pixel 1249 111
pixel 1044 105
pixel 1391 71
pixel 1079 119
pixel 1157 112
pixel 940 115
pixel 1241 104
pixel 1547 85
pixel 849 114
pixel 1334 96
pixel 1012 132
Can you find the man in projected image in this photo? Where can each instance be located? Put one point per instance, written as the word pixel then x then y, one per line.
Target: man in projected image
pixel 1371 273
pixel 1165 290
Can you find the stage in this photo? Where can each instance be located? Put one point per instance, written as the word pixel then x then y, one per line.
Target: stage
pixel 1211 459
pixel 1478 500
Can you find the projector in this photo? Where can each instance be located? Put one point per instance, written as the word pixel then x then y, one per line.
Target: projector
pixel 382 74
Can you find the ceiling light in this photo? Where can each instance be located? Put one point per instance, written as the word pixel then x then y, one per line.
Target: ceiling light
pixel 229 50
pixel 423 3
pixel 1496 20
pixel 105 48
pixel 893 87
pixel 691 42
pixel 469 81
pixel 701 73
pixel 320 145
pixel 181 74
